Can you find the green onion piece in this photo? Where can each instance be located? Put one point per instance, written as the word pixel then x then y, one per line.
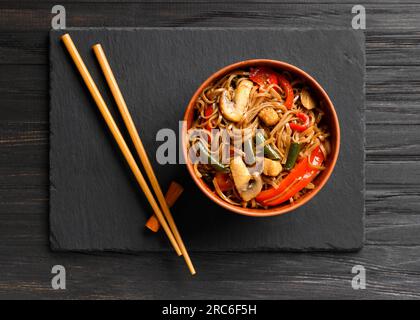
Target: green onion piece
pixel 214 162
pixel 269 151
pixel 292 156
pixel 249 152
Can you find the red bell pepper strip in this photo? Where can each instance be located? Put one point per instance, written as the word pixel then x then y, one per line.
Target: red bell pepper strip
pixel 287 88
pixel 263 76
pixel 297 179
pixel 224 182
pixel 300 127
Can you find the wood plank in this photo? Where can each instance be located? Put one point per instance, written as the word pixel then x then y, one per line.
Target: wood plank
pixel 24 93
pixel 399 83
pixel 23 47
pixel 35 15
pixel 221 276
pixel 306 288
pixel 301 2
pixel 401 203
pixel 212 265
pixel 392 48
pixel 401 112
pixel 389 175
pixel 393 142
pixel 393 216
pixel 23 145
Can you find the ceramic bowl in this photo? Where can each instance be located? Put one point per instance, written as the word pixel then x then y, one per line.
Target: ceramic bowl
pixel 330 118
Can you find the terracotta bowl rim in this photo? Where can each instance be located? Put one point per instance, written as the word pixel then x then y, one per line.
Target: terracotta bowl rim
pixel 282 209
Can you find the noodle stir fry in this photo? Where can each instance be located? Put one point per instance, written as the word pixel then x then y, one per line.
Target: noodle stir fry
pixel 268 110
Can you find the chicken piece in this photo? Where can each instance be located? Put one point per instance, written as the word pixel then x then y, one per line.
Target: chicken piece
pixel 269 116
pixel 272 168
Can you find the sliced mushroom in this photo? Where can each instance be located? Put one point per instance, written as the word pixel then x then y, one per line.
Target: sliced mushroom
pixel 307 99
pixel 254 188
pixel 272 168
pixel 234 110
pixel 248 185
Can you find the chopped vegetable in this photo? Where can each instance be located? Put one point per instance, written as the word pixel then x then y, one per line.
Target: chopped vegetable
pixel 224 181
pixel 298 178
pixel 213 161
pixel 263 76
pixel 287 87
pixel 173 193
pixel 153 224
pixel 269 151
pixel 249 151
pixel 304 118
pixel 292 155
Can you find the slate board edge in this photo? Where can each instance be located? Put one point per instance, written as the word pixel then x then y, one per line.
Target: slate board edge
pixel 54 242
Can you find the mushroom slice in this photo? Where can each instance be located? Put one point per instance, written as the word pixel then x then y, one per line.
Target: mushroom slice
pixel 234 110
pixel 307 100
pixel 254 188
pixel 248 185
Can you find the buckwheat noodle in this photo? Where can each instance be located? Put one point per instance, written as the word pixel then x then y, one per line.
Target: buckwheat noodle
pixel 262 99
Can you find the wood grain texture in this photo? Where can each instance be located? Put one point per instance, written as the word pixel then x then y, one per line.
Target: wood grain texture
pixel 392 250
pixel 36 16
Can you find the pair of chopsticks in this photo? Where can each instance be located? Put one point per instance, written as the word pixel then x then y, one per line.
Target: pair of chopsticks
pixel 169 226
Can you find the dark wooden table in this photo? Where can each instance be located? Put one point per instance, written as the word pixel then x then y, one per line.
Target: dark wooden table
pixel 391 254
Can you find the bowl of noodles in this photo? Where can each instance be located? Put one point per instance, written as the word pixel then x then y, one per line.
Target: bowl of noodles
pixel 260 137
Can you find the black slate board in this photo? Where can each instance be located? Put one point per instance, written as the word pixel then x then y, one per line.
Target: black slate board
pixel 95 203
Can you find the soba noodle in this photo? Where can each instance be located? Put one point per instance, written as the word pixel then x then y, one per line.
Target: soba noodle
pixel 287 122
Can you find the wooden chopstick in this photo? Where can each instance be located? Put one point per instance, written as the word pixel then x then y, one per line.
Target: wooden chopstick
pixel 129 123
pixel 71 48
